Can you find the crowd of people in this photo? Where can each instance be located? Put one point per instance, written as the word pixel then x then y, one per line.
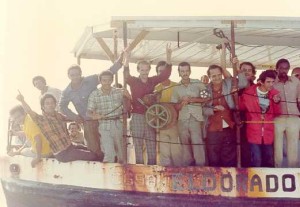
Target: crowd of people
pixel 208 112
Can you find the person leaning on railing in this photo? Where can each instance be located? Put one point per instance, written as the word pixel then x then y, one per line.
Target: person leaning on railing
pixel 261 105
pixel 53 126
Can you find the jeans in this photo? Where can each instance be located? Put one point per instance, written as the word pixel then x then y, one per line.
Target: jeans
pixel 262 155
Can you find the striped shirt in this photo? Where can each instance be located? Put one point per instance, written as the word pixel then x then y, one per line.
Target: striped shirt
pixel 55 130
pixel 106 104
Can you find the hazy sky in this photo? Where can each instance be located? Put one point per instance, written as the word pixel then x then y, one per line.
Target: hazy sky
pixel 36 36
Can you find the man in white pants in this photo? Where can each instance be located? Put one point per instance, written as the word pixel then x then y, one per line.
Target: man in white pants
pixel 288 122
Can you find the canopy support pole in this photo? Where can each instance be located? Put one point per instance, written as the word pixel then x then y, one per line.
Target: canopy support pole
pixel 235 95
pixel 124 140
pixel 106 49
pixel 115 37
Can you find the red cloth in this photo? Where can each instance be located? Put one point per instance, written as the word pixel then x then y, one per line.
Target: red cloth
pixel 258 133
pixel 140 89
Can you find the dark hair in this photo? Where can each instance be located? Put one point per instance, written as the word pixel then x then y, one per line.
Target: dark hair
pixel 251 65
pixel 182 64
pixel 75 124
pixel 44 97
pixel 74 67
pixel 282 61
pixel 36 78
pixel 211 67
pixel 17 108
pixel 267 74
pixel 105 73
pixel 160 63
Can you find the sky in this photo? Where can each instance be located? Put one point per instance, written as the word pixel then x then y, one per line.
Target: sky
pixel 37 36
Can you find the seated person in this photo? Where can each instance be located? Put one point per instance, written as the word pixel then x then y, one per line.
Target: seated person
pixel 75 133
pixel 53 126
pixel 39 144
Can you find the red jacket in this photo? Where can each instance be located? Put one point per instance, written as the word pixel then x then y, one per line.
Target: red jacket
pixel 263 130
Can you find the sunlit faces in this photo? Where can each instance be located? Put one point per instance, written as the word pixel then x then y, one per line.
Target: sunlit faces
pixel 106 81
pixel 184 72
pixel 74 75
pixel 39 84
pixel 267 85
pixel 49 105
pixel 143 70
pixel 248 71
pixel 215 75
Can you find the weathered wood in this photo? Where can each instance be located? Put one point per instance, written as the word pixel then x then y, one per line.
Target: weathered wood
pixel 106 49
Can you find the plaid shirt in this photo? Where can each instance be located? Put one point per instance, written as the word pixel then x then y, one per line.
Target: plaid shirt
pixel 55 130
pixel 106 104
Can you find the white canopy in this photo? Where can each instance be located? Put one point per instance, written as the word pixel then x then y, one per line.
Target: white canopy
pixel 260 40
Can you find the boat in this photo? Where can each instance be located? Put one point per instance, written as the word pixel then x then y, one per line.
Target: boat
pixel 260 40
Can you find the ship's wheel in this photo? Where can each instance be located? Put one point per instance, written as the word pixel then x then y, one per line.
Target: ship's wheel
pixel 158 116
pixel 204 93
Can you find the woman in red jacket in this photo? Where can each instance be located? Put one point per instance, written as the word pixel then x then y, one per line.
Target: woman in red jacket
pixel 260 102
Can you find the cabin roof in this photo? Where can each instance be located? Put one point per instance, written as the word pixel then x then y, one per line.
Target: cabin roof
pixel 260 40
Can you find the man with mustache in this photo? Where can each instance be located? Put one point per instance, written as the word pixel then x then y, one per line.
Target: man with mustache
pixel 288 122
pixel 188 102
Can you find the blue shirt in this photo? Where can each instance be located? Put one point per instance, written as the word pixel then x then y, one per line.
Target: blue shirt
pixel 79 97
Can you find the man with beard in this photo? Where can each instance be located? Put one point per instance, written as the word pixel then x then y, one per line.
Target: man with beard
pixel 288 122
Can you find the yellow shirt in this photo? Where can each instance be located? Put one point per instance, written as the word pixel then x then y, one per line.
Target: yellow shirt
pixel 167 93
pixel 31 130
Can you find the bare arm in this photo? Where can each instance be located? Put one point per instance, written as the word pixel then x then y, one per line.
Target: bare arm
pixel 39 146
pixel 26 107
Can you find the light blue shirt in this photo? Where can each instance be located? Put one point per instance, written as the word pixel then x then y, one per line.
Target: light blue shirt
pixel 79 97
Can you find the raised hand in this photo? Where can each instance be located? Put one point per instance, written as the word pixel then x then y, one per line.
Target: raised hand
pixel 20 97
pixel 126 56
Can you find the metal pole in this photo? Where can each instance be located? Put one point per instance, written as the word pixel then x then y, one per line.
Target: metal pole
pixel 235 96
pixel 124 140
pixel 78 60
pixel 115 37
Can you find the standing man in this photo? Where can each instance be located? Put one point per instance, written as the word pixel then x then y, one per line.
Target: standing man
pixel 261 105
pixel 288 122
pixel 169 154
pixel 250 71
pixel 105 104
pixel 188 102
pixel 40 83
pixel 220 125
pixel 78 92
pixel 141 86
